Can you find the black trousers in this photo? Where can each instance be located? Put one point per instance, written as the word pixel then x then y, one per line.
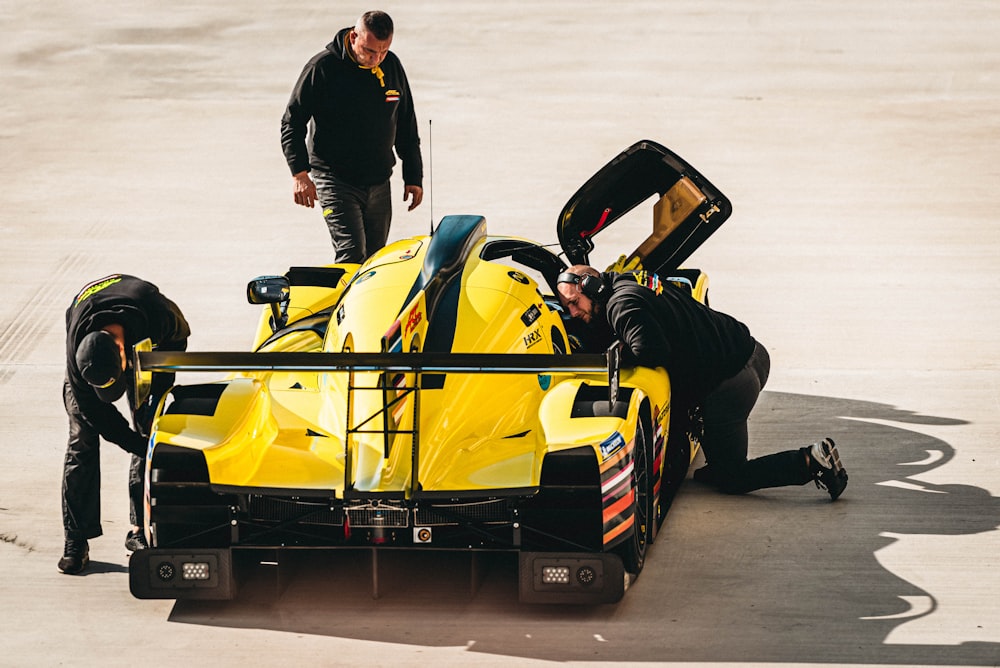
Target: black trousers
pixel 81 483
pixel 726 410
pixel 358 218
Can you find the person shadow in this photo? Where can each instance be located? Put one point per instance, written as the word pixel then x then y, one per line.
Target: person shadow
pixel 102 567
pixel 778 575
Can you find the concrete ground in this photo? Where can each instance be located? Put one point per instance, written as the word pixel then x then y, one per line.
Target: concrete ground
pixel 858 142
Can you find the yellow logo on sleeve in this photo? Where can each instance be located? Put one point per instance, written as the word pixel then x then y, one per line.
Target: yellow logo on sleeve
pixel 96 287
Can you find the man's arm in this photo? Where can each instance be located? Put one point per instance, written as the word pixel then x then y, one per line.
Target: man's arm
pixel 646 344
pixel 408 146
pixel 294 128
pixel 107 421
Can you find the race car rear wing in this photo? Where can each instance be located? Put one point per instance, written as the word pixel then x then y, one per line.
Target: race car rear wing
pixel 147 362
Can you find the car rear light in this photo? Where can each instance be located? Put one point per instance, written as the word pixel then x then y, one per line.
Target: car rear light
pixel 195 570
pixel 555 575
pixel 197 574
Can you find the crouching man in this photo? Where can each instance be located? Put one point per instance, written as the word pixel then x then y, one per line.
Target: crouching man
pixel 103 324
pixel 712 361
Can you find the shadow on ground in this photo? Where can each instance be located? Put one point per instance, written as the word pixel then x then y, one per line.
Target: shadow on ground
pixel 776 576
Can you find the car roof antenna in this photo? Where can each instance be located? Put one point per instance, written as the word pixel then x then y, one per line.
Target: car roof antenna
pixel 430 168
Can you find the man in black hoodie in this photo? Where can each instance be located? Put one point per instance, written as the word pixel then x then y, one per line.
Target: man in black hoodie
pixel 712 361
pixel 103 324
pixel 357 96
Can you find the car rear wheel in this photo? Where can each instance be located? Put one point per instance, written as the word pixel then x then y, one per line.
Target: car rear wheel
pixel 633 550
pixel 676 458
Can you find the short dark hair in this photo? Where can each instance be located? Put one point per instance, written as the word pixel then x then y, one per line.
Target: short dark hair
pixel 378 23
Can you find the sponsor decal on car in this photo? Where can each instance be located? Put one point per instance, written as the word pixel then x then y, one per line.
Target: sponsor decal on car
pixel 365 276
pixel 617 486
pixel 518 276
pixel 532 337
pixel 412 320
pixel 531 315
pixel 612 444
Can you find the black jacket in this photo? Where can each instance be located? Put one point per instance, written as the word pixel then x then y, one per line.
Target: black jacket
pixel 662 326
pixel 143 313
pixel 358 117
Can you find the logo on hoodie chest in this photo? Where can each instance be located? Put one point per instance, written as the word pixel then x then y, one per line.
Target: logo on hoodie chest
pixel 392 95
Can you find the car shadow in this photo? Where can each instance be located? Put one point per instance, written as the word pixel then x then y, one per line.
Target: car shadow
pixel 779 575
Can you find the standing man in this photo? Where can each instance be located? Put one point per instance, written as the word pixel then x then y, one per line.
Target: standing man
pixel 357 96
pixel 106 319
pixel 712 361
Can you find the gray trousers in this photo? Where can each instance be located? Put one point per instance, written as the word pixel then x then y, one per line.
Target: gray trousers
pixel 726 410
pixel 358 218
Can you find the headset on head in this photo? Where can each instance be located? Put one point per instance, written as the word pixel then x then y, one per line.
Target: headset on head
pixel 591 286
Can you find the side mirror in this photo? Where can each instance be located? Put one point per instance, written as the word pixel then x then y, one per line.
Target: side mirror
pixel 268 290
pixel 273 290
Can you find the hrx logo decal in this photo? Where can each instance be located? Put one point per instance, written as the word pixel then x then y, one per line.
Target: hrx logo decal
pixel 532 337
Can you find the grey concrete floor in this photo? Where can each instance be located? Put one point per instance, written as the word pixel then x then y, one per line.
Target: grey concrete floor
pixel 859 144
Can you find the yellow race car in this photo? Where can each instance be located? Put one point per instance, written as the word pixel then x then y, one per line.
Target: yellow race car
pixel 435 397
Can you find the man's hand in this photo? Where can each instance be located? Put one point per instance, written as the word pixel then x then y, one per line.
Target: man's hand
pixel 418 196
pixel 304 190
pixel 142 417
pixel 137 445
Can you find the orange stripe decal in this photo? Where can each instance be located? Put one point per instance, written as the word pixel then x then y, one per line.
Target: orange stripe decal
pixel 618 530
pixel 619 507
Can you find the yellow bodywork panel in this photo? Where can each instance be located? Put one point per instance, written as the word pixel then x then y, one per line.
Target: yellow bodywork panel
pixel 244 445
pixel 242 415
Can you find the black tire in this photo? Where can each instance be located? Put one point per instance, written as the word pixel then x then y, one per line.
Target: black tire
pixel 676 461
pixel 633 550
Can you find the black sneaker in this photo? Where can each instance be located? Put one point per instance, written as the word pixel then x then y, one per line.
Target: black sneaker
pixel 825 467
pixel 135 540
pixel 76 556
